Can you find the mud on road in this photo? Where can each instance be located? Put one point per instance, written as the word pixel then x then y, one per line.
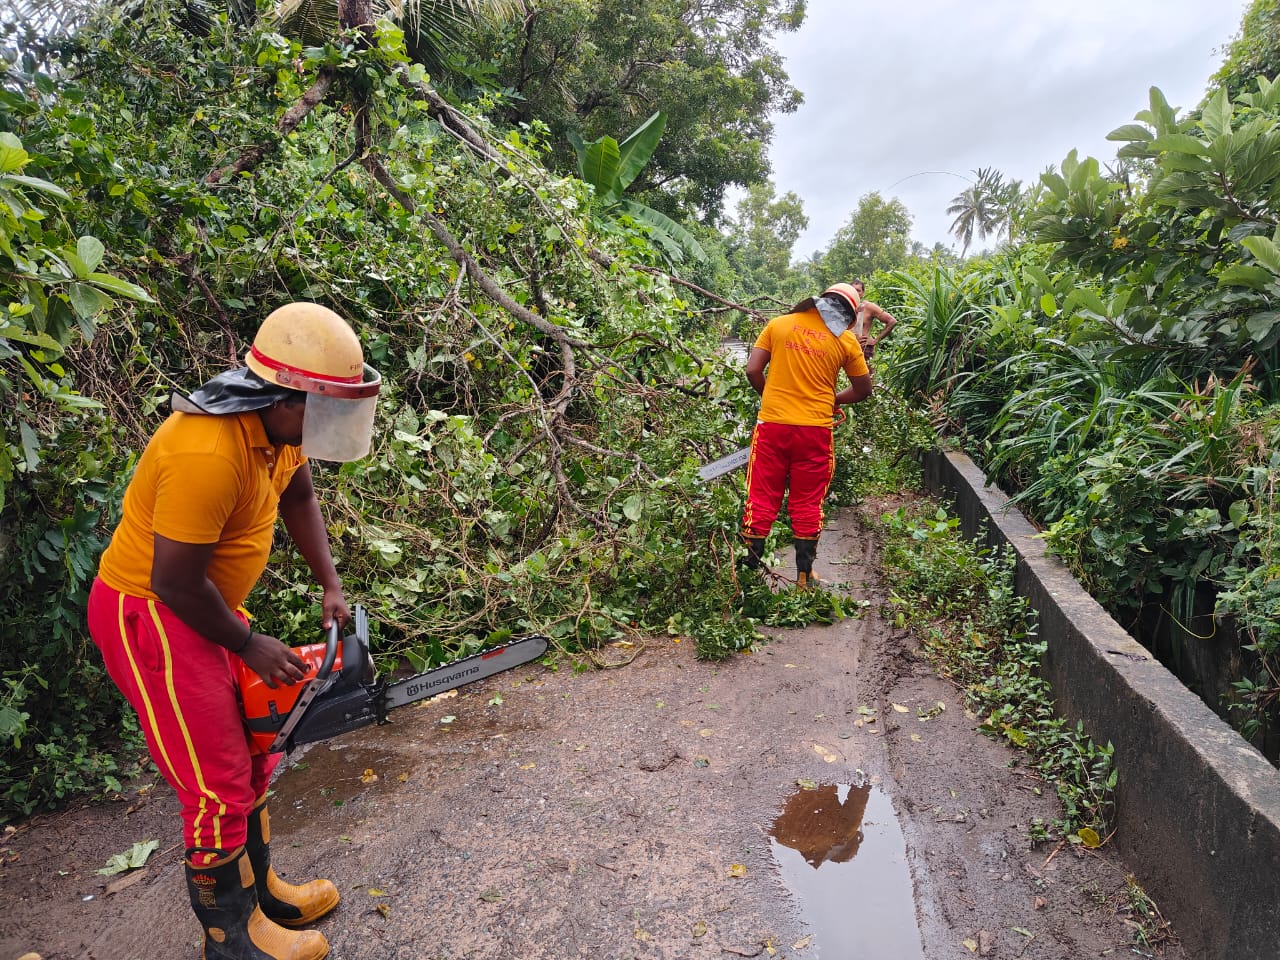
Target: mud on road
pixel 634 813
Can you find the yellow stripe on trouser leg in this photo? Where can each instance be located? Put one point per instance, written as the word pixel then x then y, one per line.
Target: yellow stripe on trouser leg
pixel 181 721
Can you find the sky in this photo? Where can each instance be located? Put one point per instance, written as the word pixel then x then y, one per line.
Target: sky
pixel 910 97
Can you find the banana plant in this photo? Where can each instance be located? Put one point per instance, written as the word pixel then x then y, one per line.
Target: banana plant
pixel 610 167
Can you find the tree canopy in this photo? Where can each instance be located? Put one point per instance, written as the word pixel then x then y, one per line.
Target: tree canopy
pixel 600 67
pixel 1255 51
pixel 987 207
pixel 877 236
pixel 761 241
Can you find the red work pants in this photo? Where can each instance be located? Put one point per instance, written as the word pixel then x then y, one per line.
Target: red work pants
pixel 787 457
pixel 183 688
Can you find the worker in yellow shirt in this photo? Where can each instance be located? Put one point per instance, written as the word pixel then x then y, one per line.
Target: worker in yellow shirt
pixel 166 609
pixel 795 366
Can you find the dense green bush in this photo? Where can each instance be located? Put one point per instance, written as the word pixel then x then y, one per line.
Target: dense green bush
pixel 1119 374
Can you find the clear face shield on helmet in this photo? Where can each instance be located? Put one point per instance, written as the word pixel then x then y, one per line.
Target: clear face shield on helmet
pixel 337 424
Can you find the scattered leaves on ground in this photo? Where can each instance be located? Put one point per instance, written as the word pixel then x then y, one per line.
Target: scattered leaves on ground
pixel 131 859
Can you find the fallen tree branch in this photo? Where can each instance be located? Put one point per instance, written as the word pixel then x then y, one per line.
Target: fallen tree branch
pixel 250 159
pixel 443 112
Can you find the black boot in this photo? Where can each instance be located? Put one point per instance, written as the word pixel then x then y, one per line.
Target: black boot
pixel 287 904
pixel 754 559
pixel 226 904
pixel 806 550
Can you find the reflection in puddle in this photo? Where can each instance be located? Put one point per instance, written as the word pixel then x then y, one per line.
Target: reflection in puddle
pixel 842 855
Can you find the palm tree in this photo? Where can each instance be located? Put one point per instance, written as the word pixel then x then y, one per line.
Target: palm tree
pixel 986 207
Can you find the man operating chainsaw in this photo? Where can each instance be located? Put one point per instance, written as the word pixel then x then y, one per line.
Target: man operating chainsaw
pixel 791 448
pixel 166 609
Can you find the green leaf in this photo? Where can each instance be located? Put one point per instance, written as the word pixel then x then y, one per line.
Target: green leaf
pixel 600 168
pixel 1238 512
pixel 1130 133
pixel 635 151
pixel 1048 304
pixel 1181 143
pixel 1216 118
pixel 1243 275
pixel 87 301
pixel 1265 250
pixel 35 183
pixel 30 446
pixel 579 150
pixel 12 155
pixel 633 509
pixel 1083 297
pixel 122 287
pixel 663 225
pixel 41 340
pixel 90 250
pixel 136 856
pixel 1259 326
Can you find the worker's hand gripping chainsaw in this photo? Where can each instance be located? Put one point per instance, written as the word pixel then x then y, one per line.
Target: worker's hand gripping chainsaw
pixel 339 691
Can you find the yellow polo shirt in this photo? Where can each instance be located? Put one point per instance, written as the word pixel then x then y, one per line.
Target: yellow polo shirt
pixel 805 360
pixel 202 479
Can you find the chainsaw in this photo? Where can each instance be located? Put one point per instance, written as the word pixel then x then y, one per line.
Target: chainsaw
pixel 339 691
pixel 739 458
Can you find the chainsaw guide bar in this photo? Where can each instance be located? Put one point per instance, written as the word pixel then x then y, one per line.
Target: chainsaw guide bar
pixel 339 691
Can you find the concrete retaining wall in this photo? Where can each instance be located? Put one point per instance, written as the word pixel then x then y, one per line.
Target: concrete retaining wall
pixel 1197 807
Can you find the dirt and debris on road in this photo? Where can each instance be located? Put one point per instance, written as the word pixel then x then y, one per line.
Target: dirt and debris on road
pixel 625 813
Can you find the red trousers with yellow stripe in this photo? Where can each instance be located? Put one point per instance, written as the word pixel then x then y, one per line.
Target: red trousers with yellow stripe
pixel 183 688
pixel 787 459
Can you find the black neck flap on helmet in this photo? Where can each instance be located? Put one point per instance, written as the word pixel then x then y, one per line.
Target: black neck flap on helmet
pixel 235 391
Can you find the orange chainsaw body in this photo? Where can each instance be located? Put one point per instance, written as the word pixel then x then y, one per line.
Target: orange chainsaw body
pixel 265 709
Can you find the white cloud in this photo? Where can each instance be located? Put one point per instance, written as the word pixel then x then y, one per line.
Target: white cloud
pixel 909 97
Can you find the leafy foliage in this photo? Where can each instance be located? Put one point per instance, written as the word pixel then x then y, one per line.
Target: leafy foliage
pixel 1255 51
pixel 53 483
pixel 876 237
pixel 960 601
pixel 986 207
pixel 1121 376
pixel 549 393
pixel 610 167
pixel 760 243
pixel 598 66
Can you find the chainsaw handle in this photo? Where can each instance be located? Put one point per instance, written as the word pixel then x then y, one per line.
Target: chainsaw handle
pixel 330 652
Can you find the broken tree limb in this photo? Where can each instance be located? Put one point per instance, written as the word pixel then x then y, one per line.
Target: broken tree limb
pixel 253 156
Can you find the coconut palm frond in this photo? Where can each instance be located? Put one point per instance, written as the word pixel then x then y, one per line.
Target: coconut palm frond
pixel 51 17
pixel 432 28
pixel 310 21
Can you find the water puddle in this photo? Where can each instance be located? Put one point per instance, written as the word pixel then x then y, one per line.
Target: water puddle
pixel 329 776
pixel 842 855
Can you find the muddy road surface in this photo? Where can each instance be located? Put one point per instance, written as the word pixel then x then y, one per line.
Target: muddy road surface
pixel 825 796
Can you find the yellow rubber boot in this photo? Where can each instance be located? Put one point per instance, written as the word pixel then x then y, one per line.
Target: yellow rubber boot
pixel 290 905
pixel 226 904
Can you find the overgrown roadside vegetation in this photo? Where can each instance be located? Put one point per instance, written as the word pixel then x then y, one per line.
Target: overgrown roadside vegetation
pixel 1119 373
pixel 551 345
pixel 958 599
